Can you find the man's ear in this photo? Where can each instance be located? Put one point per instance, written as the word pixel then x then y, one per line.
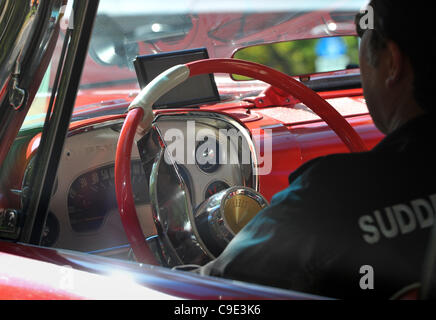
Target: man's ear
pixel 395 68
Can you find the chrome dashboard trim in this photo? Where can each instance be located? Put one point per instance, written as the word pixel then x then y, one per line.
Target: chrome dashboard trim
pixel 96 126
pixel 173 213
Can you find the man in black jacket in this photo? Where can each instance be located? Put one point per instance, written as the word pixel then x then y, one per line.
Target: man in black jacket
pixel 357 225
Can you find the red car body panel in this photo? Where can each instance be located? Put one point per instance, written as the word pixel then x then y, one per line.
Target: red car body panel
pixel 43 273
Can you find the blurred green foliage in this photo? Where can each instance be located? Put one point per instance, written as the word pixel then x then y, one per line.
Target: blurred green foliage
pixel 294 57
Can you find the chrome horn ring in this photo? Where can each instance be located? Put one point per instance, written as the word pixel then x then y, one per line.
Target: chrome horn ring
pixel 224 214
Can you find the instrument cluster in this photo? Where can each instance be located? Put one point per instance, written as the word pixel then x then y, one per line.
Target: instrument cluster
pixel 83 207
pixel 210 161
pixel 92 195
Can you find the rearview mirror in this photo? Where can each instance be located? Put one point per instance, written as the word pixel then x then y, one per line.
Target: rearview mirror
pixel 303 57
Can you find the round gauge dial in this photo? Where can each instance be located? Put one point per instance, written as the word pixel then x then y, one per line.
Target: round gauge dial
pixel 207 155
pixel 92 195
pixel 215 187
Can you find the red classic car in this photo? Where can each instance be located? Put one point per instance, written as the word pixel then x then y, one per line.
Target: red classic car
pixel 85 215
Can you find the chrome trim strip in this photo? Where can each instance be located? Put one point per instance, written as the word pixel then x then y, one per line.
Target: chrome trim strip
pixel 173 213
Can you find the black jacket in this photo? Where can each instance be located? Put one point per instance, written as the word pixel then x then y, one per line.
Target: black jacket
pixel 342 217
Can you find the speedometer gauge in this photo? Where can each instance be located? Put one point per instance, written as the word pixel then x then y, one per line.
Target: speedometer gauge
pixel 92 196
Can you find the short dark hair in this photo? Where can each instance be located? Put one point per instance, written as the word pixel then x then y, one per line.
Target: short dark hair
pixel 411 27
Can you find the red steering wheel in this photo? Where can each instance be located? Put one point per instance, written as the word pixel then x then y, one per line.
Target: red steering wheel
pixel 141 115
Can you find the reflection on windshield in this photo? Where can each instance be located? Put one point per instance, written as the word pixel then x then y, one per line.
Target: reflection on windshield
pixel 148 27
pixel 247 24
pixel 121 32
pixel 118 41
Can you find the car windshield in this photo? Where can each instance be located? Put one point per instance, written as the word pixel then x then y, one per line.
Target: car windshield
pixel 121 33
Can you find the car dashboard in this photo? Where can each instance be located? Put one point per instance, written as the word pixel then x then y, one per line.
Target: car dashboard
pixel 83 214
